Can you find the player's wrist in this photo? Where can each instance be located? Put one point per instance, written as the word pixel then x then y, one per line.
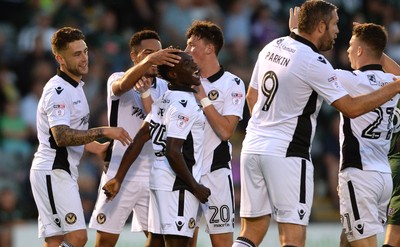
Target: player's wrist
pixel 205 102
pixel 145 94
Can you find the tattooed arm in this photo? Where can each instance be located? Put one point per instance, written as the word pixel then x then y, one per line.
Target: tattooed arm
pixel 65 136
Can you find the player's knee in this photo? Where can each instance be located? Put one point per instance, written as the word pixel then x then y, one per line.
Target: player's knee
pixel 243 242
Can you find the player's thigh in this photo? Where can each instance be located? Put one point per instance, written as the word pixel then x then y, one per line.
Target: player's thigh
pixel 364 196
pixel 111 216
pixel 58 201
pixel 172 212
pixel 290 183
pixel 219 211
pixel 254 197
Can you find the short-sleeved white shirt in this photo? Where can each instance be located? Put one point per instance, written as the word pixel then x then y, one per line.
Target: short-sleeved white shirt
pixel 176 114
pixel 63 102
pixel 365 140
pixel 127 111
pixel 227 94
pixel 292 80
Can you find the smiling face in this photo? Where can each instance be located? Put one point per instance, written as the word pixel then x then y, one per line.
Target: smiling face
pixel 74 60
pixel 146 47
pixel 187 71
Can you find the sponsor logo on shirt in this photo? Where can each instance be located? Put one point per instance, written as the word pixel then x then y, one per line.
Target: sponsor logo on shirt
pixel 182 121
pixel 183 102
pixel 179 224
pixel 59 109
pixel 321 59
pixel 59 90
pixel 236 98
pixel 136 111
pixel 85 119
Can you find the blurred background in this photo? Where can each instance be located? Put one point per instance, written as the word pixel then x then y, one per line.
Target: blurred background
pixel 26 63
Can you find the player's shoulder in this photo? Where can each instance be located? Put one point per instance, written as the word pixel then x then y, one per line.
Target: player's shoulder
pixel 115 76
pixel 232 79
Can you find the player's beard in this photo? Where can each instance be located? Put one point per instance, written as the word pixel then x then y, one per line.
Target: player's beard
pixel 151 73
pixel 77 70
pixel 326 42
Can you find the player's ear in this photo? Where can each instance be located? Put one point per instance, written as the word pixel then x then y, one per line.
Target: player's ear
pixel 59 58
pixel 172 74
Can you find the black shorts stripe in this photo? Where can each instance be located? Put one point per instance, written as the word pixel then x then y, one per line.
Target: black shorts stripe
pixel 181 202
pixel 232 193
pixel 50 193
pixel 303 182
pixel 353 200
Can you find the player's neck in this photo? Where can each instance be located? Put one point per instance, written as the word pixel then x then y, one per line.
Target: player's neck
pixel 210 68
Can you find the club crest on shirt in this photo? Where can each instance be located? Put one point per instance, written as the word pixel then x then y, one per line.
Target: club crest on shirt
pixel 70 218
pixel 372 79
pixel 192 223
pixel 213 94
pixel 236 98
pixel 101 218
pixel 182 121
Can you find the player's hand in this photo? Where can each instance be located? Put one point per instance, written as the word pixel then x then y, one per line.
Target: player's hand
pixel 143 84
pixel 111 188
pixel 201 93
pixel 118 133
pixel 101 150
pixel 164 56
pixel 293 17
pixel 202 193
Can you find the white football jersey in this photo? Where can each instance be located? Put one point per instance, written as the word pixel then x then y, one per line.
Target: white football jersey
pixel 227 94
pixel 63 102
pixel 365 140
pixel 176 114
pixel 127 111
pixel 292 80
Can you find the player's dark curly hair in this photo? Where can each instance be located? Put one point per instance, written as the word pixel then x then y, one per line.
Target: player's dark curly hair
pixel 137 38
pixel 375 36
pixel 208 31
pixel 63 37
pixel 312 12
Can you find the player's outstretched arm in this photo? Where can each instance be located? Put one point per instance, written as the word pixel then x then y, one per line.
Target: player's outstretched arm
pixel 111 188
pixel 353 107
pixel 132 75
pixel 65 136
pixel 178 164
pixel 389 65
